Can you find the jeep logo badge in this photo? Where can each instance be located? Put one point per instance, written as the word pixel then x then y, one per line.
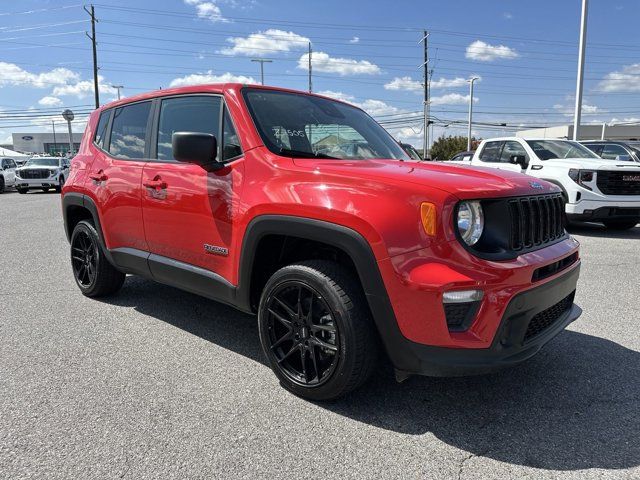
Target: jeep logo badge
pixel 631 178
pixel 536 185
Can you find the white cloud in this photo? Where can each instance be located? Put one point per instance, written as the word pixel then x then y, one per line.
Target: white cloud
pixel 12 74
pixel 371 106
pixel 625 80
pixel 49 101
pixel 322 62
pixel 587 109
pixel 483 52
pixel 207 10
pixel 209 77
pixel 266 43
pixel 452 99
pixel 409 84
pixel 84 89
pixel 507 15
pixel 354 40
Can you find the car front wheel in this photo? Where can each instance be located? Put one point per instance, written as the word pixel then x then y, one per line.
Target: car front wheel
pixel 93 273
pixel 316 330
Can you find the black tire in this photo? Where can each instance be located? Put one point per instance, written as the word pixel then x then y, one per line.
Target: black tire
pixel 339 347
pixel 1 184
pixel 93 273
pixel 60 184
pixel 621 224
pixel 44 189
pixel 22 190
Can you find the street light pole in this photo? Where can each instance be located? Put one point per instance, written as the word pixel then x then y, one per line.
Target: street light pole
pixel 579 84
pixel 69 116
pixel 55 144
pixel 117 87
pixel 471 80
pixel 262 62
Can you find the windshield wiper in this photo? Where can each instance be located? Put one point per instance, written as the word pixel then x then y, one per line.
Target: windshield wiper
pixel 304 154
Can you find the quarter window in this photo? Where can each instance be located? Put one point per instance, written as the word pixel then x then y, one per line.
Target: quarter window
pixel 101 129
pixel 129 130
pixel 186 114
pixel 230 141
pixel 491 152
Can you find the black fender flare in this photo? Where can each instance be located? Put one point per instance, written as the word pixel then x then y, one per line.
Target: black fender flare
pixel 81 200
pixel 354 245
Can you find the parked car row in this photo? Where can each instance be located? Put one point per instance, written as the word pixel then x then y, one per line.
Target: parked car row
pixel 605 190
pixel 41 173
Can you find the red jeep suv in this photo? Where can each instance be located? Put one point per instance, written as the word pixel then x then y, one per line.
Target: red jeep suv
pixel 303 210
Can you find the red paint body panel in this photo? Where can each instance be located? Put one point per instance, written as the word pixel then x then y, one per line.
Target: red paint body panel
pixel 379 199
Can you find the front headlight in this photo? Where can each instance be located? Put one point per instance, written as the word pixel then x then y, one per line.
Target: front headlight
pixel 470 221
pixel 53 172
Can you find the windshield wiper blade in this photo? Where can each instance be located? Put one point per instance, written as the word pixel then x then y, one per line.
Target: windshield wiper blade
pixel 304 154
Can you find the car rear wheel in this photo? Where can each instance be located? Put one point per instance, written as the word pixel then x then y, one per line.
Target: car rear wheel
pixel 621 224
pixel 60 185
pixel 316 330
pixel 1 184
pixel 22 190
pixel 92 271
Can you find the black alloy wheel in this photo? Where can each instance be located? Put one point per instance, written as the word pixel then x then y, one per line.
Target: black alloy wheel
pixel 303 334
pixel 84 259
pixel 316 329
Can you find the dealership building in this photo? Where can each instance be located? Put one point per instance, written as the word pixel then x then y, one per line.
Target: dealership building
pixel 587 132
pixel 48 143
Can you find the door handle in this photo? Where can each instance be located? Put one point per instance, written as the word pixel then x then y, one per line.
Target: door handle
pixel 98 176
pixel 155 184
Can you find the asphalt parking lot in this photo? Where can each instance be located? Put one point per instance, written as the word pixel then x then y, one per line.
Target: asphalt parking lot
pixel 158 383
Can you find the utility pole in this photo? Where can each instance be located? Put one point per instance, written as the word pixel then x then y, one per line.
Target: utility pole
pixel 471 80
pixel 581 52
pixel 262 62
pixel 118 87
pixel 55 144
pixel 95 53
pixel 310 52
pixel 425 107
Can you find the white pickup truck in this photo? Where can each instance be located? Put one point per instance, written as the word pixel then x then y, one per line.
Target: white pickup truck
pixel 595 189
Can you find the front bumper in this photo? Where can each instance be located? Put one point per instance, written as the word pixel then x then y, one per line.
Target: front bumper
pixel 513 342
pixel 598 211
pixel 36 182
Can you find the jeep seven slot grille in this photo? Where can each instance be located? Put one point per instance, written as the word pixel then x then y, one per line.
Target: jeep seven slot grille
pixel 536 220
pixel 618 183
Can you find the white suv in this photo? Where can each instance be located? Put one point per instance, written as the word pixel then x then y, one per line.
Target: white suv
pixel 42 173
pixel 7 173
pixel 595 189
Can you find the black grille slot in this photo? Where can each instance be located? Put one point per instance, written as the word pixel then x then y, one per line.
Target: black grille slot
pixel 553 268
pixel 543 320
pixel 536 220
pixel 460 315
pixel 34 174
pixel 618 183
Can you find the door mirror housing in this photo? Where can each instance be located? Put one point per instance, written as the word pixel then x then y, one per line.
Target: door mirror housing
pixel 518 160
pixel 196 147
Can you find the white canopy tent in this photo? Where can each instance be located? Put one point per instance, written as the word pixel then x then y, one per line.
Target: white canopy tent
pixel 19 158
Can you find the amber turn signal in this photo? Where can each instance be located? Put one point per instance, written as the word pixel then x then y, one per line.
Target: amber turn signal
pixel 428 217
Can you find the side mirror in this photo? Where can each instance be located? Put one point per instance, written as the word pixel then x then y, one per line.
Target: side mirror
pixel 196 147
pixel 518 160
pixel 623 158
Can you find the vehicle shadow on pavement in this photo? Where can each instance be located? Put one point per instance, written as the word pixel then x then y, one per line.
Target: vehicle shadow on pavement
pixel 597 230
pixel 574 406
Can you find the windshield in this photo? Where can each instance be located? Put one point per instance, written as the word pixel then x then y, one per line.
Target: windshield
pixel 311 127
pixel 550 149
pixel 43 162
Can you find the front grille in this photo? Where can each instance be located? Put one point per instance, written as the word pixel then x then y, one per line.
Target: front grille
pixel 618 183
pixel 543 320
pixel 34 174
pixel 536 220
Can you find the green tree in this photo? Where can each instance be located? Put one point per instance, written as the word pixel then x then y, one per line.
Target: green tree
pixel 446 147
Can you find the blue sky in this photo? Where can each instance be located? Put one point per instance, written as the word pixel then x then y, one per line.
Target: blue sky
pixel 366 52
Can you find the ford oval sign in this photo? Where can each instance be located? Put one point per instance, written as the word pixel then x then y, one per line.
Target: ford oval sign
pixel 536 185
pixel 27 137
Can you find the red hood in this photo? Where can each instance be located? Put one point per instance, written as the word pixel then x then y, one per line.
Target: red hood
pixel 462 181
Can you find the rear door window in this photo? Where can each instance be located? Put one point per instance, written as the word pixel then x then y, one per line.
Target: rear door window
pixel 491 152
pixel 611 151
pixel 129 131
pixel 510 149
pixel 101 129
